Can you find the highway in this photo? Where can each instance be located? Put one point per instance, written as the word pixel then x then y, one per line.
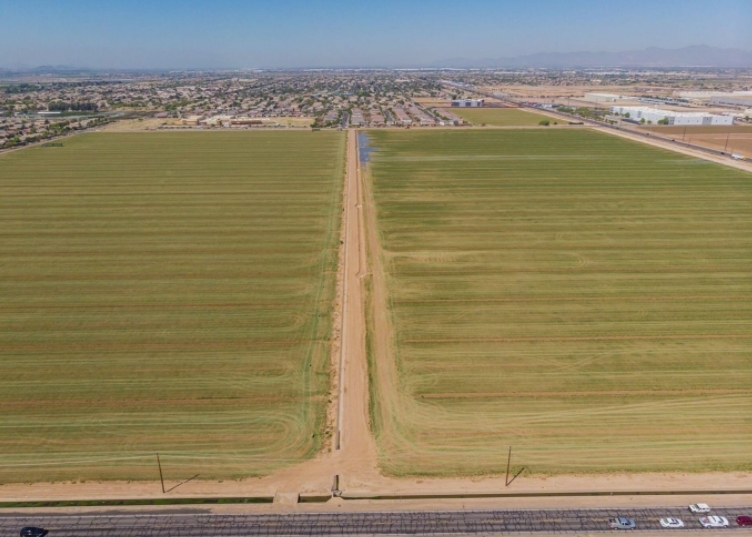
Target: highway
pixel 356 523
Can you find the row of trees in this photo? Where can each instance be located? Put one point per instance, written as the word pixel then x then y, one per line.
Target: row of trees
pixel 62 106
pixel 51 131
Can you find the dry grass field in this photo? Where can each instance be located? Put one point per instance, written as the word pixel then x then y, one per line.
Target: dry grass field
pixel 500 117
pixel 583 298
pixel 294 121
pixel 732 139
pixel 166 292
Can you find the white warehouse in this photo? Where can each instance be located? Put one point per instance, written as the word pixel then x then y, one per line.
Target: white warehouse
pixel 603 97
pixel 467 103
pixel 654 115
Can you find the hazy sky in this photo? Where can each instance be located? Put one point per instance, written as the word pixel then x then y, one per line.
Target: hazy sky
pixel 314 33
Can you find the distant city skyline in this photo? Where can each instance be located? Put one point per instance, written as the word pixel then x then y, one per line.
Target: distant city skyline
pixel 295 34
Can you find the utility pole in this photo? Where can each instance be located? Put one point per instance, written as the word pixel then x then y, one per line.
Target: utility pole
pixel 509 461
pixel 727 139
pixel 685 133
pixel 161 478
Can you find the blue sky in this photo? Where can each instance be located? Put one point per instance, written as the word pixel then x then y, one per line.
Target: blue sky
pixel 318 33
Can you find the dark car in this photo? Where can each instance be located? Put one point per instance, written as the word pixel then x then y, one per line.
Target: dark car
pixel 31 531
pixel 744 520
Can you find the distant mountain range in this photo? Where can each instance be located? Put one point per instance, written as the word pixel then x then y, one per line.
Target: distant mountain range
pixel 697 56
pixel 653 57
pixel 43 70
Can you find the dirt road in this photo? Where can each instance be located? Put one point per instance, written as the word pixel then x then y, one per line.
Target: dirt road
pixel 357 449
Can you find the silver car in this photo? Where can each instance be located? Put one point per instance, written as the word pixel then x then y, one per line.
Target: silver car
pixel 672 523
pixel 714 522
pixel 623 523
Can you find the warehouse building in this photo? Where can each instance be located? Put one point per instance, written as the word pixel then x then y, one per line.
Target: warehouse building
pixel 603 97
pixel 467 103
pixel 654 115
pixel 732 100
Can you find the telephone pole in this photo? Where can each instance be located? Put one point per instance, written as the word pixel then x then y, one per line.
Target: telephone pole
pixel 161 478
pixel 509 461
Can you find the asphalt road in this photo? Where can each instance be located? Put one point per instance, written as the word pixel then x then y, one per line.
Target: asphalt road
pixel 392 523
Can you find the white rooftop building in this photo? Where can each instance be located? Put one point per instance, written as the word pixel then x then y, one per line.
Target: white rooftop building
pixel 734 99
pixel 604 97
pixel 654 115
pixel 467 103
pixel 707 95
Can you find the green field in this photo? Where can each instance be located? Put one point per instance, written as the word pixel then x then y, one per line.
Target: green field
pixel 166 292
pixel 501 117
pixel 583 298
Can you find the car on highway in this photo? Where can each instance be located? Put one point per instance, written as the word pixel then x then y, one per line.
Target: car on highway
pixel 714 521
pixel 32 531
pixel 744 520
pixel 622 523
pixel 699 508
pixel 671 523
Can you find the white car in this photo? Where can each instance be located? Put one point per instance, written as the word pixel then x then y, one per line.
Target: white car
pixel 699 508
pixel 672 523
pixel 714 521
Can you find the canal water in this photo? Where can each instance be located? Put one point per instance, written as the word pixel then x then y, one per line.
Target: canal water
pixel 364 148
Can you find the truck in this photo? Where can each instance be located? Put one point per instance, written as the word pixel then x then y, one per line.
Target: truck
pixel 737 156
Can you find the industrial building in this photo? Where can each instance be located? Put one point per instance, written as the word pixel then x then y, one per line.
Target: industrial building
pixel 603 97
pixel 732 100
pixel 654 115
pixel 705 96
pixel 467 103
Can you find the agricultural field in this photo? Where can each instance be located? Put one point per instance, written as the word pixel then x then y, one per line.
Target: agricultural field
pixel 581 297
pixel 732 139
pixel 166 292
pixel 500 117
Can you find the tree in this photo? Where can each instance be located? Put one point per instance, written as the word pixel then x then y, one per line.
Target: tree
pixel 544 123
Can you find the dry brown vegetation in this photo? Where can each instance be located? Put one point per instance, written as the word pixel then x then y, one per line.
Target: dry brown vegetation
pixel 501 117
pixel 732 139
